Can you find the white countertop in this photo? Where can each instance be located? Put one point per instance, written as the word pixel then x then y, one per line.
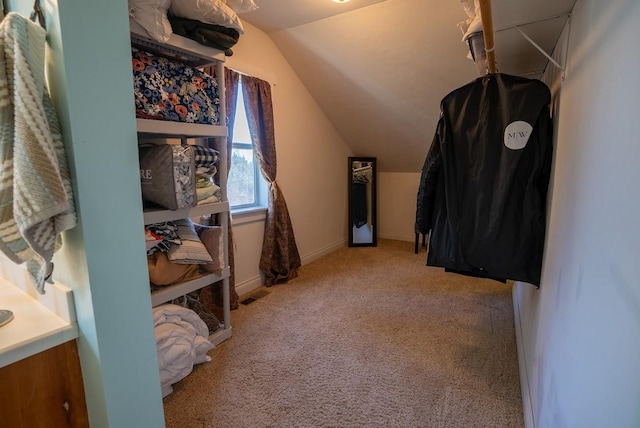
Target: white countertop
pixel 35 327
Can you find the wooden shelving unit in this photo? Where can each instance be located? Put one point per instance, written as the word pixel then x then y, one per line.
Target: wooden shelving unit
pixel 195 55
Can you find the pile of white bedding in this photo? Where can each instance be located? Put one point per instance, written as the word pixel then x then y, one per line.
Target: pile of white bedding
pixel 182 340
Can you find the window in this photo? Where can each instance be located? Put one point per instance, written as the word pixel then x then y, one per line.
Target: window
pixel 245 186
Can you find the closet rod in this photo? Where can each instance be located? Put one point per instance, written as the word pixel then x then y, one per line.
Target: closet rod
pixel 487 31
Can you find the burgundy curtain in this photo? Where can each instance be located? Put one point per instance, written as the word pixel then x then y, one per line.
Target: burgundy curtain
pixel 280 259
pixel 231 79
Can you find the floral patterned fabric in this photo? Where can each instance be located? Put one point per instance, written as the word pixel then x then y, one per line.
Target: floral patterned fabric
pixel 165 89
pixel 184 176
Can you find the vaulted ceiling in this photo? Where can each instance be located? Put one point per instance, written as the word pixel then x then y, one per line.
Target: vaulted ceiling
pixel 379 68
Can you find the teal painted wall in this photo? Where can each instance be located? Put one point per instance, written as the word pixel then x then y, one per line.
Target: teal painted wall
pixel 103 258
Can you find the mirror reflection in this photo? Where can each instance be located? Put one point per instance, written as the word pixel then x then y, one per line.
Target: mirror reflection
pixel 362 201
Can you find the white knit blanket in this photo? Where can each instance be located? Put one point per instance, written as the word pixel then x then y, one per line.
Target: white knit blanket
pixel 36 200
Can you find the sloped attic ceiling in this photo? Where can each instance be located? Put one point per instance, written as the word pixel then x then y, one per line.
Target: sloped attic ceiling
pixel 379 68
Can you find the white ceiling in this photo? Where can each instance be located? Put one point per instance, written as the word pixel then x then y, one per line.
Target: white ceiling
pixel 379 68
pixel 276 15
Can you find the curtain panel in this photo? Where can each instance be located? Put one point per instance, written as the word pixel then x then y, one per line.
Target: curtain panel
pixel 280 259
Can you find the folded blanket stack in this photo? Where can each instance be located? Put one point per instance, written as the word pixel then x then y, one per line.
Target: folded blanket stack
pixel 175 252
pixel 207 190
pixel 182 340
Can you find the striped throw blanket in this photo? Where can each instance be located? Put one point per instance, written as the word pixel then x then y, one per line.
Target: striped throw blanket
pixel 36 200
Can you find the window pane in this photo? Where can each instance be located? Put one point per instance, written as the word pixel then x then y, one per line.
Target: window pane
pixel 241 181
pixel 241 126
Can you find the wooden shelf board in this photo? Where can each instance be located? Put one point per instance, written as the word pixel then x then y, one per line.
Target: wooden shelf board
pixel 157 216
pixel 220 336
pixel 171 292
pixel 180 48
pixel 169 129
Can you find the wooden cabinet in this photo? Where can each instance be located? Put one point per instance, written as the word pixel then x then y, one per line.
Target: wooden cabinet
pixel 44 390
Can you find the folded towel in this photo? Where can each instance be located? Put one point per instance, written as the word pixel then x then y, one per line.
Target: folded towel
pixel 207 192
pixel 210 200
pixel 36 200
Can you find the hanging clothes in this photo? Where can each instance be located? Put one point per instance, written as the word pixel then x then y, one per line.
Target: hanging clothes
pixel 359 204
pixel 483 188
pixel 361 177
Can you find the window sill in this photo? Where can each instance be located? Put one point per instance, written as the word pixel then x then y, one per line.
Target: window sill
pixel 248 215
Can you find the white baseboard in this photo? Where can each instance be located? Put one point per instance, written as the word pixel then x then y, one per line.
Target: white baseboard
pixel 249 285
pixel 323 252
pixel 407 238
pixel 527 407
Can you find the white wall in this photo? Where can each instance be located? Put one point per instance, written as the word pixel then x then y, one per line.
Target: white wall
pixel 312 161
pixel 312 169
pixel 397 193
pixel 580 332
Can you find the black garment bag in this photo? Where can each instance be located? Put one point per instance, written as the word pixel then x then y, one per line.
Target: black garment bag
pixel 483 188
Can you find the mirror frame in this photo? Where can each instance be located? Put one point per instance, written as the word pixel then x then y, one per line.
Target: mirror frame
pixel 372 202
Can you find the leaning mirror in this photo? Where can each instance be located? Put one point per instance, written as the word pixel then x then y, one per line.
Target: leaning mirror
pixel 362 202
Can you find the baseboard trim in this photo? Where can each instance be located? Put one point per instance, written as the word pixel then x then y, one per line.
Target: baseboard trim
pixel 323 252
pixel 527 407
pixel 406 238
pixel 254 283
pixel 246 287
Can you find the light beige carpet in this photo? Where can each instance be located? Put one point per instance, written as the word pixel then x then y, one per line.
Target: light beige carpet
pixel 364 337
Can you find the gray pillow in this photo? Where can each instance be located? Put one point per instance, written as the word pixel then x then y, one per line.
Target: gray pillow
pixel 211 237
pixel 191 251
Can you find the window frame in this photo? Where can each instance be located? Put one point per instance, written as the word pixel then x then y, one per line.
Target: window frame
pixel 256 173
pixel 260 189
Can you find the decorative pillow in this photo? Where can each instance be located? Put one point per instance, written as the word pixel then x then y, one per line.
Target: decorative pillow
pixel 207 11
pixel 166 89
pixel 191 251
pixel 211 237
pixel 167 176
pixel 168 234
pixel 163 272
pixel 152 16
pixel 241 6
